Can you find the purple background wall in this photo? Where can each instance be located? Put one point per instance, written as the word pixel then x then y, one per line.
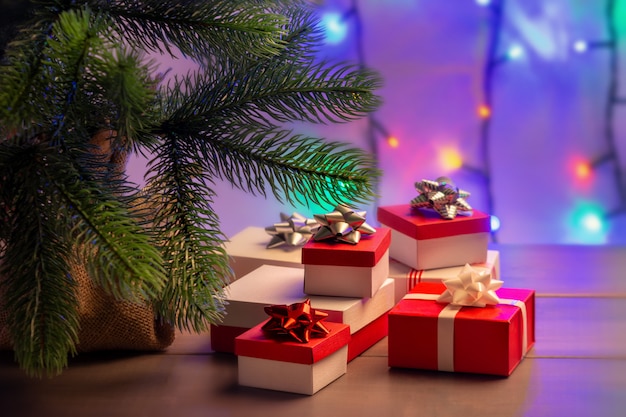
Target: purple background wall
pixel 548 114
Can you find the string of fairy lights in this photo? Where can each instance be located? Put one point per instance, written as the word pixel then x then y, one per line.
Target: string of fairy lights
pixel 493 60
pixel 336 29
pixel 610 157
pixel 590 220
pixel 496 55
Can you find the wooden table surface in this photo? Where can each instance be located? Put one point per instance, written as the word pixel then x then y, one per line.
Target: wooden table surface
pixel 577 367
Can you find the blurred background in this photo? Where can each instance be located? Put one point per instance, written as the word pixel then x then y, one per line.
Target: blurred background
pixel 520 102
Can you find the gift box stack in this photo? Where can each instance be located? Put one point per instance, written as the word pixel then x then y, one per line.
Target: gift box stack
pixel 425 278
pixel 451 312
pixel 343 274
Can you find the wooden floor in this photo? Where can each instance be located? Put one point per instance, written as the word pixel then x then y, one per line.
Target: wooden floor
pixel 577 367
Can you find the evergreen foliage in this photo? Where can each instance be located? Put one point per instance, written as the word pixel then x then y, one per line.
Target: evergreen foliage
pixel 78 70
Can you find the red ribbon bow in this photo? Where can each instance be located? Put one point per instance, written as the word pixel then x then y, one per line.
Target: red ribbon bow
pixel 298 320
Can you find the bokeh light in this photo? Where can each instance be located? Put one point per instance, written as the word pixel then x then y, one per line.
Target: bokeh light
pixel 515 52
pixel 450 159
pixel 581 46
pixel 335 28
pixel 484 111
pixel 588 224
pixel 495 223
pixel 583 170
pixel 393 142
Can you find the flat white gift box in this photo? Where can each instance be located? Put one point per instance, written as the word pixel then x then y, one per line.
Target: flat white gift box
pixel 302 368
pixel 406 277
pixel 270 285
pixel 248 251
pixel 421 239
pixel 345 270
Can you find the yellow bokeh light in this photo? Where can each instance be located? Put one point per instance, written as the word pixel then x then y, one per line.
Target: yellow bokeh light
pixel 393 141
pixel 583 170
pixel 450 158
pixel 484 111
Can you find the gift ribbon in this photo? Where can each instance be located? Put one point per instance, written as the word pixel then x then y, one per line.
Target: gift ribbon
pixel 414 276
pixel 298 320
pixel 522 307
pixel 445 328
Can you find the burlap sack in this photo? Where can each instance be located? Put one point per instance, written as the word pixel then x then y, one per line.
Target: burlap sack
pixel 106 323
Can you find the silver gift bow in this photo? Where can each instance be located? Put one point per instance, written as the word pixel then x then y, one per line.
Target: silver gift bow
pixel 343 225
pixel 442 196
pixel 292 231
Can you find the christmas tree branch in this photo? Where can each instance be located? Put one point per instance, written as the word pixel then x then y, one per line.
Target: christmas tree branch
pixel 197 29
pixel 295 168
pixel 192 246
pixel 39 293
pixel 279 93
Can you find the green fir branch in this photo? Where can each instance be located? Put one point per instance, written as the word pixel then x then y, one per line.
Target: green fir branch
pixel 117 251
pixel 68 219
pixel 40 301
pixel 295 168
pixel 193 253
pixel 273 93
pixel 103 232
pixel 39 292
pixel 43 92
pixel 197 29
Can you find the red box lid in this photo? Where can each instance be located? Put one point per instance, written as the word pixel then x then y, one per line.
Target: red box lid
pixel 424 224
pixel 367 252
pixel 254 343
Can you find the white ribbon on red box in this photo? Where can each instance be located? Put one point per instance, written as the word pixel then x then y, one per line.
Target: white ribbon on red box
pixel 445 328
pixel 470 289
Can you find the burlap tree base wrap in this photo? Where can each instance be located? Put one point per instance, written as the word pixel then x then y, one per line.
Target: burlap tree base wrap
pixel 107 323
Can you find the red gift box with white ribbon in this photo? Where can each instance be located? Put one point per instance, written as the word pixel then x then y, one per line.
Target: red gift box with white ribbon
pixel 431 335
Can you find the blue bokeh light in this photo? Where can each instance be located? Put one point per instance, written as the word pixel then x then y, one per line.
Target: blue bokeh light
pixel 335 28
pixel 515 52
pixel 588 225
pixel 581 46
pixel 495 223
